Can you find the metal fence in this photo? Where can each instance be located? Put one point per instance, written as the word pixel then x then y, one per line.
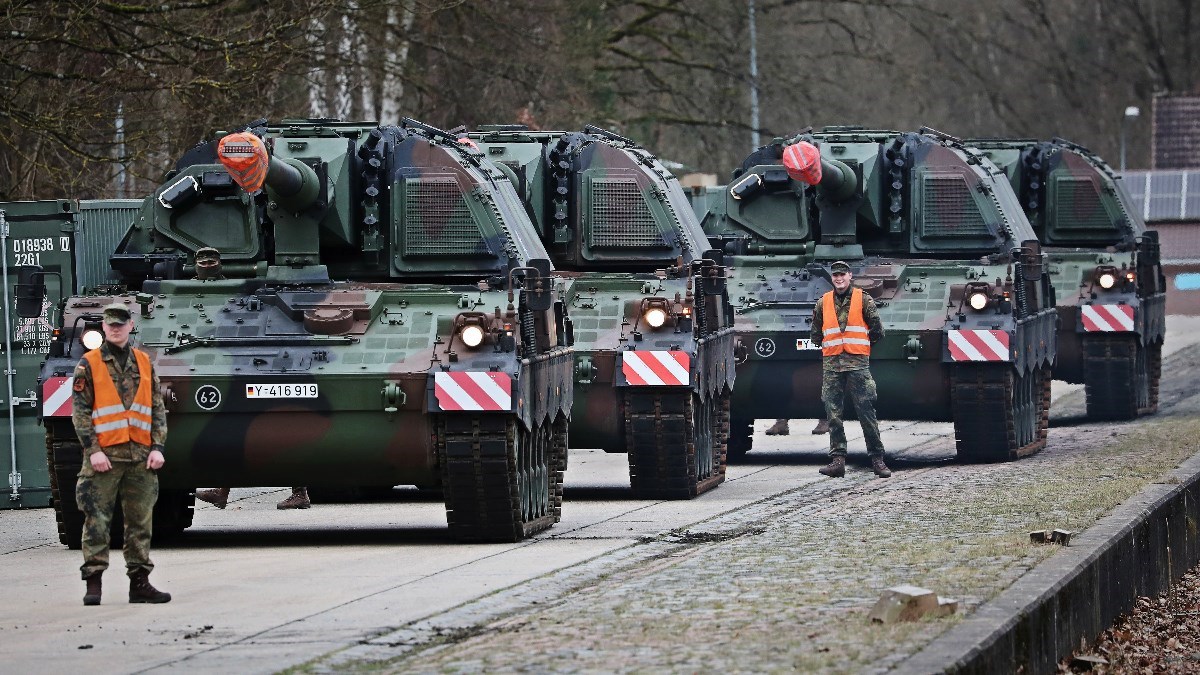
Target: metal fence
pixel 1164 195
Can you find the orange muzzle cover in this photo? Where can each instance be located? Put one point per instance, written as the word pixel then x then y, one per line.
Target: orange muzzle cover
pixel 244 156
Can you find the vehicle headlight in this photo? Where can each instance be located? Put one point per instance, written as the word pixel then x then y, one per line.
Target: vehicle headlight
pixel 656 317
pixel 472 336
pixel 92 338
pixel 978 300
pixel 1107 280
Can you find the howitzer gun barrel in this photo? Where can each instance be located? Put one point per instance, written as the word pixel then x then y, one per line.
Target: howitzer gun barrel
pixel 292 184
pixel 804 163
pixel 838 180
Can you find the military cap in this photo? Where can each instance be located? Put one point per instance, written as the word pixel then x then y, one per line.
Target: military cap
pixel 207 253
pixel 117 313
pixel 839 266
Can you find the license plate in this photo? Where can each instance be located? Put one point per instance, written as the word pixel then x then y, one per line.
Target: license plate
pixel 281 391
pixel 805 343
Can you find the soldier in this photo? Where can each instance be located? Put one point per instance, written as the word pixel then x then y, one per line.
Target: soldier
pixel 845 323
pixel 121 422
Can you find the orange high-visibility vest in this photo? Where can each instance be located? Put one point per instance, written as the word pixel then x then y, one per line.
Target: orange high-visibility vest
pixel 112 422
pixel 855 339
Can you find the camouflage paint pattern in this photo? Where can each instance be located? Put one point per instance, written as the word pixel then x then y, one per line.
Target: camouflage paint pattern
pixel 135 487
pixel 859 387
pixel 400 335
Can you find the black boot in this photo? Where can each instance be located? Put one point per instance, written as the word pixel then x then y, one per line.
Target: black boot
pixel 92 596
pixel 780 428
pixel 836 467
pixel 298 500
pixel 218 497
pixel 880 468
pixel 140 589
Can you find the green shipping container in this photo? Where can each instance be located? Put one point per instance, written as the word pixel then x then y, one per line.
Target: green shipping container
pixel 46 234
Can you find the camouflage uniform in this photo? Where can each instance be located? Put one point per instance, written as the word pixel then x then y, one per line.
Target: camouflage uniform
pixel 844 373
pixel 129 479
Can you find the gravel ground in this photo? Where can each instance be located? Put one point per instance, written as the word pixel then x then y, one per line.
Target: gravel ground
pixel 1161 635
pixel 785 584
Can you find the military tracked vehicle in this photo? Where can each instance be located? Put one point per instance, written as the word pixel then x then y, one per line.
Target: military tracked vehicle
pixel 933 232
pixel 1106 266
pixel 380 312
pixel 654 339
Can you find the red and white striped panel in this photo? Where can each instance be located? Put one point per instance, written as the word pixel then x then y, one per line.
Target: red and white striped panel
pixel 56 397
pixel 978 345
pixel 473 391
pixel 656 369
pixel 1106 318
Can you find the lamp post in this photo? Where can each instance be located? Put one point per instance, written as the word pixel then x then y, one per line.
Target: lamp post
pixel 1130 113
pixel 754 122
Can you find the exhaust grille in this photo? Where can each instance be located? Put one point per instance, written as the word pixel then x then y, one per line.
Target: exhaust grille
pixel 437 220
pixel 620 216
pixel 1077 205
pixel 948 208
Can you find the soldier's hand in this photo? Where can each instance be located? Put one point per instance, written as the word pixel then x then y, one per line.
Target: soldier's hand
pixel 99 461
pixel 155 460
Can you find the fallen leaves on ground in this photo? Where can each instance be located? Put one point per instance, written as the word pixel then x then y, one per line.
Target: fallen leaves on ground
pixel 1160 635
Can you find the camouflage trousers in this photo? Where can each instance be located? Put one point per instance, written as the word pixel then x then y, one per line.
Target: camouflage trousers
pixel 860 387
pixel 97 494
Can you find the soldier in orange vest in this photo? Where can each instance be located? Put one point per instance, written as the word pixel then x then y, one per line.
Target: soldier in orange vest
pixel 121 422
pixel 845 323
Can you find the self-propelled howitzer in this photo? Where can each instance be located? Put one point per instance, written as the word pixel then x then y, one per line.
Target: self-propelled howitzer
pixel 654 340
pixel 934 234
pixel 1106 265
pixel 341 305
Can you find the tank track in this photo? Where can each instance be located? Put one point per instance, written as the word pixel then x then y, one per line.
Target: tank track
pixel 501 482
pixel 1044 422
pixel 1155 365
pixel 998 414
pixel 559 465
pixel 1120 377
pixel 721 439
pixel 63 471
pixel 741 438
pixel 676 443
pixel 173 511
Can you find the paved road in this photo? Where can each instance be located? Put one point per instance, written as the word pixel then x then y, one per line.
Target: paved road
pixel 259 590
